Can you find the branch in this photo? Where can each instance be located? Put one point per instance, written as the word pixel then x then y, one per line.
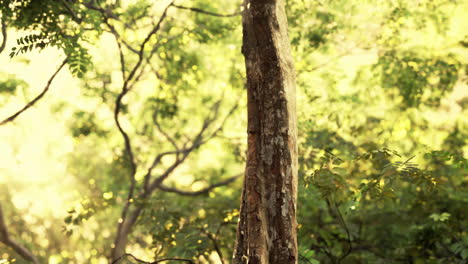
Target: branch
pixel 105 12
pixel 4 35
pixel 162 131
pixel 198 10
pixel 332 202
pixel 156 161
pixel 154 262
pixel 28 105
pixel 19 249
pixel 122 230
pixel 216 246
pixel 143 44
pixel 128 151
pixel 196 142
pixel 72 13
pixel 202 191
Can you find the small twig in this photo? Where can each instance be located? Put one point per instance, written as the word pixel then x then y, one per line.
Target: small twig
pixel 198 10
pixel 31 103
pixel 5 238
pixel 154 262
pixel 408 160
pixel 4 35
pixel 202 191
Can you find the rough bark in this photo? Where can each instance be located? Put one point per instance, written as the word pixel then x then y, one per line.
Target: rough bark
pixel 267 228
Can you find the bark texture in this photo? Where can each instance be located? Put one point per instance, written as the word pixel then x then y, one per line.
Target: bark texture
pixel 267 228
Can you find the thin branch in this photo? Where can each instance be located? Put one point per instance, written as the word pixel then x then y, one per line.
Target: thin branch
pixel 154 262
pixel 122 229
pixel 44 91
pixel 196 142
pixel 4 35
pixel 156 182
pixel 72 13
pixel 119 46
pixel 117 35
pixel 198 10
pixel 202 191
pixel 156 161
pixel 107 13
pixel 215 244
pixel 162 131
pixel 143 44
pixel 348 233
pixel 129 153
pixel 19 249
pixel 229 114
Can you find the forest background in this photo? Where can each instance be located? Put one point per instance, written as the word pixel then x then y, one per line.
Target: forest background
pixel 382 122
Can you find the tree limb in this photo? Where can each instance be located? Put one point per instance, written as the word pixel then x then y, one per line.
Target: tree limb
pixel 125 226
pixel 44 91
pixel 202 191
pixel 19 249
pixel 198 10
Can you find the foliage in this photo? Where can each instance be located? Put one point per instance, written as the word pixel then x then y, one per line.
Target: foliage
pixel 379 207
pixel 413 76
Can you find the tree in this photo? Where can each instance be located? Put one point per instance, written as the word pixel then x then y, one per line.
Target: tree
pixel 370 105
pixel 137 62
pixel 267 226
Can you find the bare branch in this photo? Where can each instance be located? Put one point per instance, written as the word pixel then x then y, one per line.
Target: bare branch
pixel 202 191
pixel 19 249
pixel 44 91
pixel 198 10
pixel 154 262
pixel 4 35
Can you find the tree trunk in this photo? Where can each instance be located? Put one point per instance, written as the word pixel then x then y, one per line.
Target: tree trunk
pixel 267 228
